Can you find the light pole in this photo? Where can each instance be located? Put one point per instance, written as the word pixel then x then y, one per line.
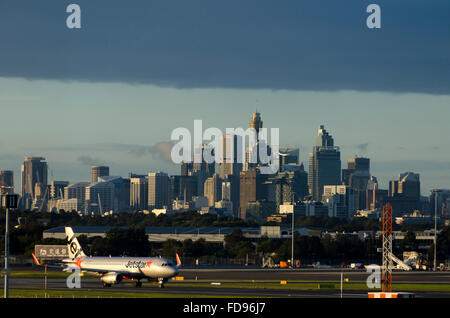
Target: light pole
pixel 292 230
pixel 435 226
pixel 6 291
pixel 9 201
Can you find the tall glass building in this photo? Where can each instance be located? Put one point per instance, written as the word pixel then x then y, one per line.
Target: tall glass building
pixel 324 164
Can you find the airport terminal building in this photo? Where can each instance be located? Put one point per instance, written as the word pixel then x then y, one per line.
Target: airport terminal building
pixel 162 234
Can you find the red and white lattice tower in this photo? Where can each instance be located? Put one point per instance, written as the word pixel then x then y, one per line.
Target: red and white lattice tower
pixel 386 275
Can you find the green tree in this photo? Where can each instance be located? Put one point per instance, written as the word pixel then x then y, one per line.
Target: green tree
pixel 237 245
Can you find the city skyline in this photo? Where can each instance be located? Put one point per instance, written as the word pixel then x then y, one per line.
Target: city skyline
pixel 85 155
pixel 173 169
pixel 112 91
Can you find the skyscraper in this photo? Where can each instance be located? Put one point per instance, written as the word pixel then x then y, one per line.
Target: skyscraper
pixel 99 171
pixel 288 156
pixel 357 176
pixel 139 193
pixel 158 190
pixel 340 199
pixel 33 170
pixel 404 193
pixel 252 189
pixel 76 191
pixel 100 197
pixel 213 189
pixel 287 186
pixel 324 164
pixel 231 163
pixel 121 191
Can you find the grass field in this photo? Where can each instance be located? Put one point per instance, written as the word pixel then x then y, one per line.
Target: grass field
pixel 35 293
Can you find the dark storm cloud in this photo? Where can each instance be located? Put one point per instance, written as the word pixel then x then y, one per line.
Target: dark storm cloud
pixel 291 44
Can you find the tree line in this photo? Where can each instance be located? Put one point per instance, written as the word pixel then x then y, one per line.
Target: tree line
pixel 26 231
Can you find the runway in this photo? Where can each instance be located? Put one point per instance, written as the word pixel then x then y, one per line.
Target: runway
pixel 236 283
pixel 319 275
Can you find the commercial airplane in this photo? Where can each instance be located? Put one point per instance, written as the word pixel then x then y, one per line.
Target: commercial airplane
pixel 112 270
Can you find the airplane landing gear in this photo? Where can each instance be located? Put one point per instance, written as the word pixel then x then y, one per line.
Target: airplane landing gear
pixel 138 284
pixel 106 285
pixel 161 282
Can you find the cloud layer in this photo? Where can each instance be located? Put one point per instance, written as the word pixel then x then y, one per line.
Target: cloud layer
pixel 159 151
pixel 301 45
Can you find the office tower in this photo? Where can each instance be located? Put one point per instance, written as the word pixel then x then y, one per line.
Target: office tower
pixel 76 191
pixel 408 184
pixel 324 164
pixel 158 190
pixel 33 170
pixel 357 176
pixel 200 153
pixel 187 168
pixel 287 186
pixel 252 189
pixel 100 198
pixel 6 181
pixel 357 173
pixel 139 193
pixel 231 191
pixel 136 175
pixel 201 169
pixel 57 189
pixel 40 198
pixel 121 191
pixel 404 194
pixel 443 196
pixel 341 200
pixel 213 189
pixel 188 188
pixel 232 158
pixel 174 188
pixel 99 171
pixel 375 197
pixel 226 190
pixel 69 205
pixel 288 157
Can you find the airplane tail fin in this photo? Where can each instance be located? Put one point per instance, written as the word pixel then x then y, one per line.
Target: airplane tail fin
pixel 178 260
pixel 36 261
pixel 73 245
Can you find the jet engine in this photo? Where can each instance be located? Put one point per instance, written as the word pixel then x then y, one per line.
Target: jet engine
pixel 111 278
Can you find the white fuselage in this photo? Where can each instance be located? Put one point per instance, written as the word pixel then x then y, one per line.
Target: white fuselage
pixel 134 267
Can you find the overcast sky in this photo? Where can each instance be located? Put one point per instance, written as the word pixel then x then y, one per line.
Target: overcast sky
pixel 112 91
